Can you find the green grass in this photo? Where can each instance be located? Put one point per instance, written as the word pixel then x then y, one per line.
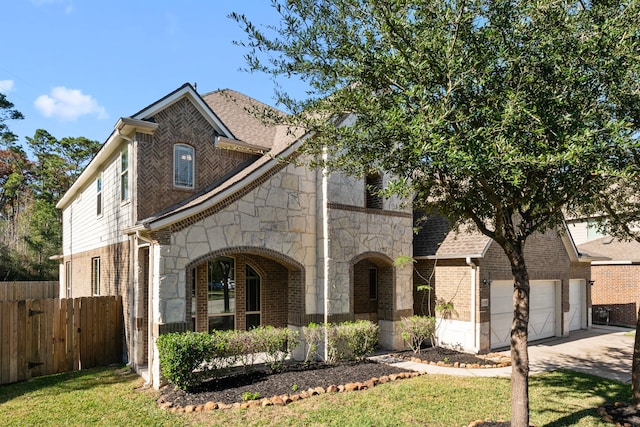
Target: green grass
pixel 107 397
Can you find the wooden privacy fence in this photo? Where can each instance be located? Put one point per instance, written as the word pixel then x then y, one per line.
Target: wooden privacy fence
pixel 47 336
pixel 17 291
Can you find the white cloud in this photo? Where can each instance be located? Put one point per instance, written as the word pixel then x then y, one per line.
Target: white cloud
pixel 6 86
pixel 68 104
pixel 68 4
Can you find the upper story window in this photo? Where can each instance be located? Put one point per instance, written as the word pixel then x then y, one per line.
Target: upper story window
pixel 183 156
pixel 373 186
pixel 99 195
pixel 124 174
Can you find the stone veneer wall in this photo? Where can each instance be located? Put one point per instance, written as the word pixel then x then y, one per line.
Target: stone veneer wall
pixel 277 217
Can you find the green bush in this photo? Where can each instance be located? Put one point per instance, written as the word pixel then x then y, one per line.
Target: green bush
pixel 351 340
pixel 416 330
pixel 188 358
pixel 182 356
pixel 241 347
pixel 275 343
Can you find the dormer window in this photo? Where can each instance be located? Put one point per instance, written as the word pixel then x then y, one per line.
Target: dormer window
pixel 183 157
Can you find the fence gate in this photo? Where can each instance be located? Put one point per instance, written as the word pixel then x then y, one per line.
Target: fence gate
pixel 48 336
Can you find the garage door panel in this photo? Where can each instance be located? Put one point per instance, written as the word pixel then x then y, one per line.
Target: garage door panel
pixel 501 330
pixel 577 294
pixel 541 324
pixel 542 309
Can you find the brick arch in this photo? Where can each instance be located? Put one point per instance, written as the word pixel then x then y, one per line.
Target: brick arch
pixel 295 279
pixel 278 257
pixel 384 305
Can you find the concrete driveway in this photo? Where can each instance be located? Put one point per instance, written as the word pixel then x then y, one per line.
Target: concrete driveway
pixel 603 351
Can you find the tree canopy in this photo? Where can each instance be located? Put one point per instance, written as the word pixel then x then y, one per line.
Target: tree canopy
pixel 502 114
pixel 29 190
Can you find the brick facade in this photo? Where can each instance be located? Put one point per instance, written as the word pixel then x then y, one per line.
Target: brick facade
pixel 546 257
pixel 179 123
pixel 615 294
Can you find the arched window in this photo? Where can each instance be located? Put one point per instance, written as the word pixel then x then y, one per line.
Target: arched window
pixel 183 170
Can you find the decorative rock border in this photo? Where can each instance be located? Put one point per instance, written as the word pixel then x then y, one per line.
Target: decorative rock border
pixel 285 399
pixel 501 361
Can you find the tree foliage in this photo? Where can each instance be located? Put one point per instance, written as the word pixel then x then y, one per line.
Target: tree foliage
pixel 31 225
pixel 498 114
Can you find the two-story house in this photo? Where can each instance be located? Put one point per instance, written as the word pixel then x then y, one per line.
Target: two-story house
pixel 194 213
pixel 202 217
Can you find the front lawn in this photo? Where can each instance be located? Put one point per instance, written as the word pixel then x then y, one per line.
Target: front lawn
pixel 108 396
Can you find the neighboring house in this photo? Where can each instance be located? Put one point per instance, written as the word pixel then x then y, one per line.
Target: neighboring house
pixel 471 272
pixel 615 273
pixel 194 213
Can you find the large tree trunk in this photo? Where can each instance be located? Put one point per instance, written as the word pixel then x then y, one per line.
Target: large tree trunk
pixel 635 368
pixel 519 337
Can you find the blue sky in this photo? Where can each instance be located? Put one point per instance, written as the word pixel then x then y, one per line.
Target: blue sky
pixel 73 67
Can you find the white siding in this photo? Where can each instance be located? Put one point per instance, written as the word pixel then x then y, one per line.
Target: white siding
pixel 82 229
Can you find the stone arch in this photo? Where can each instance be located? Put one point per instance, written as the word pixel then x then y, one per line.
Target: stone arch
pixel 283 290
pixel 363 304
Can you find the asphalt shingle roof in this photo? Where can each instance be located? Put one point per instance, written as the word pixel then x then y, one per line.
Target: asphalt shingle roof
pixel 614 249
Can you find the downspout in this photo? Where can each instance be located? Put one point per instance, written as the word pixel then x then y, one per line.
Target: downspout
pixel 474 273
pixel 325 241
pixel 150 344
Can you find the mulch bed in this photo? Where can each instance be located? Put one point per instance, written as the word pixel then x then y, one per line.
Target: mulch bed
pixel 297 381
pixel 294 382
pixel 452 358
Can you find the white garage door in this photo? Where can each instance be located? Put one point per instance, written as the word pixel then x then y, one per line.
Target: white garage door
pixel 542 311
pixel 577 300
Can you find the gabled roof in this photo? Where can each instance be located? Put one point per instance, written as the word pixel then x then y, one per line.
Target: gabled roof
pixel 186 90
pixel 436 240
pixel 240 114
pixel 608 250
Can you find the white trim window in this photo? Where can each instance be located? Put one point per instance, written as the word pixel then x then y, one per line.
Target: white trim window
pixel 124 174
pixel 67 278
pixel 99 195
pixel 183 170
pixel 95 276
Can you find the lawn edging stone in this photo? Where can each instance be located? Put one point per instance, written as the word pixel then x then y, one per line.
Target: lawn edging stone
pixel 283 400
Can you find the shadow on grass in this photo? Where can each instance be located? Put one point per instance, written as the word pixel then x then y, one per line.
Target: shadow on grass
pixel 68 381
pixel 557 391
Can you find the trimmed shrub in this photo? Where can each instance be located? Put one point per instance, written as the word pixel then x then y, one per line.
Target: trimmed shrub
pixel 182 355
pixel 416 330
pixel 275 343
pixel 351 340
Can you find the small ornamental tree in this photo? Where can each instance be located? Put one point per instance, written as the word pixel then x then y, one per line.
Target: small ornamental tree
pixel 498 114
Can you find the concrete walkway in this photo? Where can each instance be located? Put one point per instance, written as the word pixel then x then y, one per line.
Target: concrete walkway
pixel 603 351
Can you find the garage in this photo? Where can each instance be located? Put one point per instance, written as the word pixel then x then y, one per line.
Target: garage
pixel 577 309
pixel 542 311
